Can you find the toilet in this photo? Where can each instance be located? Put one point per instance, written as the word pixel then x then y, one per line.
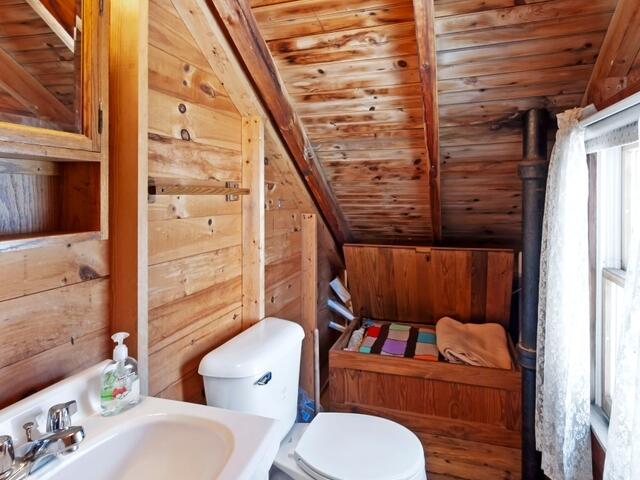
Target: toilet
pixel 257 372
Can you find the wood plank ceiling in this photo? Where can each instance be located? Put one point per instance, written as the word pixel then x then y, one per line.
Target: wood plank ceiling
pixel 351 69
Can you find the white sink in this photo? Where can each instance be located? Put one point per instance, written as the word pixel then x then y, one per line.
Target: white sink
pixel 157 446
pixel 157 439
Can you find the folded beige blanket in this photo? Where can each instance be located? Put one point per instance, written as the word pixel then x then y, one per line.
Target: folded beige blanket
pixel 482 345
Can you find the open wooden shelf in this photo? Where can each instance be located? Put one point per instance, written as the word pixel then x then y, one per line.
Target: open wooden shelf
pixel 47 202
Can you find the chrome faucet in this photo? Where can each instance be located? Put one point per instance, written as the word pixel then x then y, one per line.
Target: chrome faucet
pixel 61 438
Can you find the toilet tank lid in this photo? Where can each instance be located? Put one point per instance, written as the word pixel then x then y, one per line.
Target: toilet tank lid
pixel 253 351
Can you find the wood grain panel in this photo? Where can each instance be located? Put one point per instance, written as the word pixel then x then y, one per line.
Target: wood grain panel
pixel 173 239
pixel 35 373
pixel 48 268
pixel 54 314
pixel 171 281
pixel 287 203
pixel 29 204
pixel 182 356
pixel 424 284
pixel 39 322
pixel 351 71
pixel 195 242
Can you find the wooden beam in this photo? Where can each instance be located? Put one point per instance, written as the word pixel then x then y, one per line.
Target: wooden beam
pixel 253 226
pixel 242 29
pixel 22 86
pixel 424 20
pixel 309 300
pixel 624 23
pixel 128 82
pixel 631 89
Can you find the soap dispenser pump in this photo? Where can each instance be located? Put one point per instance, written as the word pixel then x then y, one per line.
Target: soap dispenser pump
pixel 120 389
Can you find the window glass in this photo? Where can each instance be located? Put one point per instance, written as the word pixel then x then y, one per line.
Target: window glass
pixel 617 197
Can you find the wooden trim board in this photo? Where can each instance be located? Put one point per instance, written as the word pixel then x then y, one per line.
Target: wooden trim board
pixel 128 172
pixel 253 226
pixel 309 293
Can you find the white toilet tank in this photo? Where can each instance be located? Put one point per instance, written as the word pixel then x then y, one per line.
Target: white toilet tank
pixel 257 371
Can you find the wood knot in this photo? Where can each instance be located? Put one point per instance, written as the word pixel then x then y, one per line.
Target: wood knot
pixel 87 273
pixel 185 135
pixel 182 108
pixel 207 89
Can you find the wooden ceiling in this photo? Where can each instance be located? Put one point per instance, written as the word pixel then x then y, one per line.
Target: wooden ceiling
pixel 351 69
pixel 495 61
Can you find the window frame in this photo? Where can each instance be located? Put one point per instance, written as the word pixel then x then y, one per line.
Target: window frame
pixel 607 256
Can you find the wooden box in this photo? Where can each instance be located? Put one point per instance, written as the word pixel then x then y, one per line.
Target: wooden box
pixel 468 418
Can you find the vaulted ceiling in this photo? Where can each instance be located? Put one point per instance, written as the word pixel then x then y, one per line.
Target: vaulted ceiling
pixel 351 69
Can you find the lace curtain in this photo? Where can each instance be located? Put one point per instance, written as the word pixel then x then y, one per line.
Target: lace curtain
pixel 563 365
pixel 623 448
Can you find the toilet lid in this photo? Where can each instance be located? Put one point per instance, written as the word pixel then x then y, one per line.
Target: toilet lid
pixel 347 446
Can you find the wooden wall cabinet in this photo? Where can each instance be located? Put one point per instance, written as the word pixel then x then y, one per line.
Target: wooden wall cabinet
pixel 54 175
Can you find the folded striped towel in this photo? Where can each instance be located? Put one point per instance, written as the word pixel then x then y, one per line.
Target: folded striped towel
pixel 399 340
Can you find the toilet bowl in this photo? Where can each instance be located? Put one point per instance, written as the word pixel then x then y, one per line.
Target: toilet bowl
pixel 346 446
pixel 257 372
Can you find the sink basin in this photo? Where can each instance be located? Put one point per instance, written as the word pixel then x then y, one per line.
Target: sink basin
pixel 154 447
pixel 158 439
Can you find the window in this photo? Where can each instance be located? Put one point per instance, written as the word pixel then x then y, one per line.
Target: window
pixel 615 186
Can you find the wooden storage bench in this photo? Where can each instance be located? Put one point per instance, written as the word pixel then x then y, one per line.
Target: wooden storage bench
pixel 468 418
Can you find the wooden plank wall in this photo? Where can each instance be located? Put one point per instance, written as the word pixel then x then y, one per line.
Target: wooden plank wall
pixel 422 284
pixel 195 242
pixel 286 201
pixel 54 314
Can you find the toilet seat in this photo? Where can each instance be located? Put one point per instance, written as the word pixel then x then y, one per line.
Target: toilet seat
pixel 345 446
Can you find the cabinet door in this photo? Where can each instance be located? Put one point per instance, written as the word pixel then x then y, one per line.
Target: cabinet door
pixel 53 78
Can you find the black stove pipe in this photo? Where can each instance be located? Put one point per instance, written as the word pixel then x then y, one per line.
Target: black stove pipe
pixel 533 172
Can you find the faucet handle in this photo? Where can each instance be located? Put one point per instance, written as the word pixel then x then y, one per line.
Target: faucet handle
pixel 28 430
pixel 59 416
pixel 7 455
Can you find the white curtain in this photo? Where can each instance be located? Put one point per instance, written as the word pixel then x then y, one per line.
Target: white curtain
pixel 623 445
pixel 563 366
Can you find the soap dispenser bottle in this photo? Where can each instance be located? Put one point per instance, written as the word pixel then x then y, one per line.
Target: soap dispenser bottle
pixel 120 387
